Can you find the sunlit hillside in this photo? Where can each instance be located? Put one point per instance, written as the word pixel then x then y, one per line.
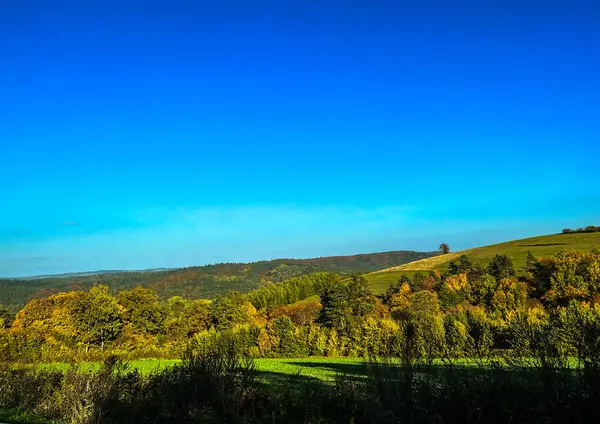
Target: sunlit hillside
pixel 517 250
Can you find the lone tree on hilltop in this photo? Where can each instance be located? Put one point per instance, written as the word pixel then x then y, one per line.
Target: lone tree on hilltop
pixel 444 248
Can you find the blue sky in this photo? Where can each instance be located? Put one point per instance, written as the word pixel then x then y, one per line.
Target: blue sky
pixel 162 134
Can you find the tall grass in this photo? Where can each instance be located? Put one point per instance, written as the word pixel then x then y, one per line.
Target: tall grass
pixel 209 386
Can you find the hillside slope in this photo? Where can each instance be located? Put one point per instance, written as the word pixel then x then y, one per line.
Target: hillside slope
pixel 540 246
pixel 203 281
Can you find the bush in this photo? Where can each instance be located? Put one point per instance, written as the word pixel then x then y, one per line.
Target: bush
pixel 588 229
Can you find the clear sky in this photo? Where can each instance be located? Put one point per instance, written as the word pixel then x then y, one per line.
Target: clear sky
pixel 171 133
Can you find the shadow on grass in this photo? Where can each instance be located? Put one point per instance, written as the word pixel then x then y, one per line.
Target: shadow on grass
pixel 350 370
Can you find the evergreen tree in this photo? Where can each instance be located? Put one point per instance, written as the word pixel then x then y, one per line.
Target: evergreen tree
pixel 501 266
pixel 463 265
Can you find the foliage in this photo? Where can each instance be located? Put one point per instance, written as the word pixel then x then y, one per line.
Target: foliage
pixel 483 312
pixel 97 316
pixel 501 266
pixel 588 229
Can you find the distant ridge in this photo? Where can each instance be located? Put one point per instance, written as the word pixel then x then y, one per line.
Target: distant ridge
pixel 207 281
pixel 85 274
pixel 275 260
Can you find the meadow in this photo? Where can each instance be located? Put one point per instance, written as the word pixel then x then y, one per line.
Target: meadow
pixel 516 250
pixel 312 367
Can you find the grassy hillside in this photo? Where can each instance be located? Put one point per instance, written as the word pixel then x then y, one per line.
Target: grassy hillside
pixel 203 281
pixel 540 246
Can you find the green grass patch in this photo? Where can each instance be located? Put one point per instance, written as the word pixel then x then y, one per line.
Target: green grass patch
pixel 380 282
pixel 313 298
pixel 323 368
pixel 319 368
pixel 144 366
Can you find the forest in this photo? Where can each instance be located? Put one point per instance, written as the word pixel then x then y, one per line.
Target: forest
pixel 200 281
pixel 530 336
pixel 449 315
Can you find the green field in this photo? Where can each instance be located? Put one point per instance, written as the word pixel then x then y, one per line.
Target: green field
pixel 322 368
pixel 541 246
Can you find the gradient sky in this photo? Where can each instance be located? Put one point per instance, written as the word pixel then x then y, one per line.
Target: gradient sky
pixel 162 134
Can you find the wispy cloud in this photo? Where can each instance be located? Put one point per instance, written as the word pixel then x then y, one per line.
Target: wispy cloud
pixel 69 223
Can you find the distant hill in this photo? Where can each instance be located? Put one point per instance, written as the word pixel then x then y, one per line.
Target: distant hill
pixel 202 281
pixel 540 246
pixel 85 274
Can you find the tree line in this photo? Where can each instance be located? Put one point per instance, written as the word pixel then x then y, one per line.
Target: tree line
pixel 549 309
pixel 588 229
pixel 197 282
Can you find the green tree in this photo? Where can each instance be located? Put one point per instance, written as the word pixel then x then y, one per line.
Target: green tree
pixel 424 328
pixel 6 318
pixel 335 310
pixel 578 326
pixel 483 287
pixel 230 310
pixel 142 311
pixel 97 316
pixel 361 299
pixel 510 296
pixel 186 317
pixel 464 265
pixel 444 248
pixel 501 266
pixel 196 316
pixel 346 306
pixel 289 345
pixel 569 275
pixel 480 335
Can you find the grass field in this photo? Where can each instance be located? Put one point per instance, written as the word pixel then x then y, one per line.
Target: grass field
pixel 276 369
pixel 322 368
pixel 541 246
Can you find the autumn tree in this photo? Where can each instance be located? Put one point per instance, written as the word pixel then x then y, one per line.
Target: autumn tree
pixel 49 320
pixel 300 313
pixel 455 290
pixel 510 295
pixel 397 287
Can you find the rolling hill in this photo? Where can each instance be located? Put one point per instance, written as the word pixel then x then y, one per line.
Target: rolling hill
pixel 201 281
pixel 540 246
